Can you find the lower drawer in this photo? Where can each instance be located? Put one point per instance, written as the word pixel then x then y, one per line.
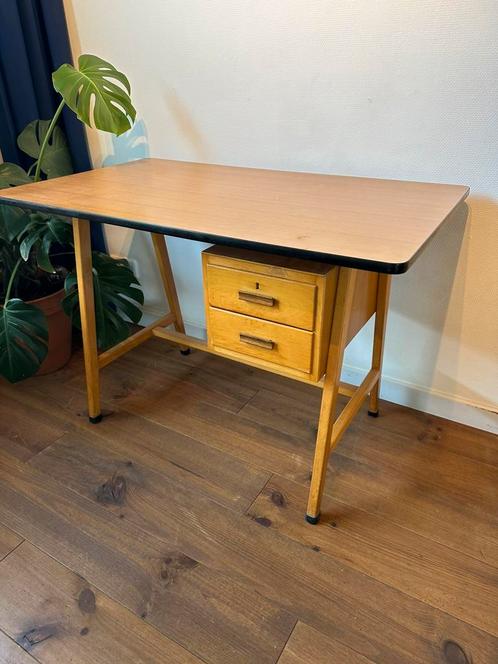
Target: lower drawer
pixel 280 344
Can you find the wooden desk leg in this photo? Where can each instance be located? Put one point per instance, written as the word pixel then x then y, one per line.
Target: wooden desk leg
pixel 83 253
pixel 342 312
pixel 163 262
pixel 383 289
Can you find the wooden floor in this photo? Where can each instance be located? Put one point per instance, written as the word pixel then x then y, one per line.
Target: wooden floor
pixel 174 532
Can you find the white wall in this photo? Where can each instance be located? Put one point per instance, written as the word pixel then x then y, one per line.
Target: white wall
pixel 380 88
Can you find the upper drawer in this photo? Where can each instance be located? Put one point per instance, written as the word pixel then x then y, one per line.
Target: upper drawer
pixel 270 298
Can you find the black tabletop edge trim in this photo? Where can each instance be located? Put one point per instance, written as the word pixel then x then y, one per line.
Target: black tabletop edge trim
pixel 331 259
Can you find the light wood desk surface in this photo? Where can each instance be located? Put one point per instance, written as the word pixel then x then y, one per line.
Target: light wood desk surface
pixel 370 224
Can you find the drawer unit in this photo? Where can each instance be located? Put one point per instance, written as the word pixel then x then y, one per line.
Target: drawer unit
pixel 272 342
pixel 271 309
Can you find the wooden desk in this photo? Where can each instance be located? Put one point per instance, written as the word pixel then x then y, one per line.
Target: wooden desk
pixel 358 224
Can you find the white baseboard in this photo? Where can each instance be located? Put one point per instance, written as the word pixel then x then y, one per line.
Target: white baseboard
pixel 397 391
pixel 429 401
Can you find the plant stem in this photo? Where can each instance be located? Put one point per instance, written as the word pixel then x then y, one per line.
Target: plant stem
pixel 11 281
pixel 44 144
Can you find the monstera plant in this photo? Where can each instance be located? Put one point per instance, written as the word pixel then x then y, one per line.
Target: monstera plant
pixel 36 248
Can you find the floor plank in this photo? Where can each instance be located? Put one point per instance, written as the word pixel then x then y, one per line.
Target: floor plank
pixel 218 618
pixel 170 383
pixel 252 442
pixel 362 440
pixel 228 478
pixel 58 617
pixel 340 601
pixel 438 494
pixel 8 541
pixel 28 431
pixel 459 585
pixel 438 433
pixel 241 439
pixel 414 424
pixel 307 645
pixel 11 653
pixel 170 456
pixel 232 371
pixel 369 478
pixel 406 574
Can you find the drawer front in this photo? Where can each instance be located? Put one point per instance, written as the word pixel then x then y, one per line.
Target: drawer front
pixel 270 298
pixel 280 344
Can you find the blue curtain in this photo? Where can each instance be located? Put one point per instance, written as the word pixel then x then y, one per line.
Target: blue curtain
pixel 33 43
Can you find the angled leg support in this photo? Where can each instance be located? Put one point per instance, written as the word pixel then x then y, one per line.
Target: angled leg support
pixel 383 290
pixel 163 262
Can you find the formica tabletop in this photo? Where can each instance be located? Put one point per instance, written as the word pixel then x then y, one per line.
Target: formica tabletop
pixel 366 223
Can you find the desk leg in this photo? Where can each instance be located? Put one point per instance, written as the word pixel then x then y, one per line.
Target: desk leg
pixel 83 253
pixel 163 262
pixel 383 288
pixel 340 323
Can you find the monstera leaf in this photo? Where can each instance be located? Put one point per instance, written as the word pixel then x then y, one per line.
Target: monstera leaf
pixel 12 175
pixel 23 339
pixel 12 221
pixel 41 232
pixel 97 92
pixel 56 159
pixel 116 291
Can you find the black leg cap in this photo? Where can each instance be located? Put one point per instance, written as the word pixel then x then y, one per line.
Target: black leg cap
pixel 95 420
pixel 373 413
pixel 312 519
pixel 185 351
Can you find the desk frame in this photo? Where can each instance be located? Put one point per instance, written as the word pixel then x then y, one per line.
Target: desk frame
pixel 330 427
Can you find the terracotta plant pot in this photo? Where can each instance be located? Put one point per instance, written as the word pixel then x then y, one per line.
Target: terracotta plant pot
pixel 59 332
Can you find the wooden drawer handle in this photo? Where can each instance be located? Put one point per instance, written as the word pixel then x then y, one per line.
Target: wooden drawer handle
pixel 256 341
pixel 255 298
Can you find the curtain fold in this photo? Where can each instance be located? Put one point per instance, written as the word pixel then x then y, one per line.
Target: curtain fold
pixel 33 43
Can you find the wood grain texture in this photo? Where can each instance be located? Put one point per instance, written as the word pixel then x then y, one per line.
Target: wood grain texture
pixel 284 267
pixel 307 645
pixel 301 294
pixel 439 493
pixel 11 653
pixel 364 299
pixel 243 550
pixel 28 431
pixel 423 569
pixel 8 541
pixel 58 616
pixel 406 575
pixel 258 363
pixel 360 222
pixel 218 617
pixel 292 303
pixel 333 597
pixel 226 478
pixel 169 457
pixel 288 346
